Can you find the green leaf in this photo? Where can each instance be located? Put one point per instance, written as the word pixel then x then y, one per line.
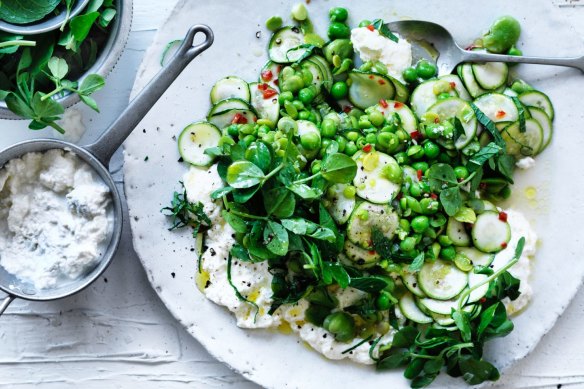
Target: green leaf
pixel 476 181
pixel 506 166
pixel 339 168
pixel 425 380
pixel 338 273
pixel 237 293
pixel 259 154
pixel 484 154
pixel 393 361
pixel 405 337
pixel 305 191
pixel 381 244
pixel 301 226
pixel 440 176
pixel 490 126
pixel 451 200
pixel 257 247
pixel 45 108
pixel 521 111
pixel 276 238
pixel 91 83
pixel 217 194
pixel 462 322
pixel 90 102
pixel 465 215
pixel 417 263
pixel 384 30
pixel 81 25
pixel 237 223
pixel 58 67
pixel 279 202
pixel 476 371
pixel 18 106
pixel 244 174
pixel 26 11
pixel 239 252
pixel 369 284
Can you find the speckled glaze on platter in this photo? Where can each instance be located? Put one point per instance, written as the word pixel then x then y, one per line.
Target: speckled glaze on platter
pixel 275 360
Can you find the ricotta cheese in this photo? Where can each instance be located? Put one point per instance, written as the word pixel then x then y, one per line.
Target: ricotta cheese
pixel 520 227
pixel 372 46
pixel 253 280
pixel 54 218
pixel 525 163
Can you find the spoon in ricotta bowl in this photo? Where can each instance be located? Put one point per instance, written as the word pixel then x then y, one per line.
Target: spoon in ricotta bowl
pixel 60 206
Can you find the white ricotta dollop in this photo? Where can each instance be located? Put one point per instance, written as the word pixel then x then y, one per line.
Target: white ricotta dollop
pixel 525 163
pixel 520 227
pixel 372 46
pixel 54 217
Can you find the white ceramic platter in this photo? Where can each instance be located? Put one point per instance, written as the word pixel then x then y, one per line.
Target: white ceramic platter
pixel 276 360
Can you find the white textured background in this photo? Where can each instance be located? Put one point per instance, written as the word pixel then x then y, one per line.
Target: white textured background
pixel 117 334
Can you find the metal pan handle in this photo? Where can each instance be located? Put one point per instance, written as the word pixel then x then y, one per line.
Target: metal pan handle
pixel 114 136
pixel 5 303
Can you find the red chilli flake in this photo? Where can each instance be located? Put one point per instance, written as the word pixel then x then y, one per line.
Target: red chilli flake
pixel 347 109
pixel 372 252
pixel 419 173
pixel 269 93
pixel 367 148
pixel 453 84
pixel 383 103
pixel 276 82
pixel 398 105
pixel 434 196
pixel 370 27
pixel 263 86
pixel 483 300
pixel 503 216
pixel 416 135
pixel 501 114
pixel 437 120
pixel 239 119
pixel 371 76
pixel 381 82
pixel 267 75
pixel 504 245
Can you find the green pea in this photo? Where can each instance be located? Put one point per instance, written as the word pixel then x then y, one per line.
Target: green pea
pixel 402 135
pixel 248 140
pixel 414 204
pixel 415 190
pixel 520 86
pixel 420 224
pixel 425 69
pixel 387 140
pixel 340 48
pixel 461 172
pixel 263 130
pixel 404 224
pixel 338 14
pixel 421 165
pixel 364 23
pixel 403 203
pixel 326 143
pixel 303 115
pixel 293 84
pixel 269 137
pixel 338 30
pixel 226 139
pixel 339 90
pixel 514 51
pixel 371 139
pixel 382 301
pixel 444 96
pixel 285 96
pixel 364 122
pixel 352 136
pixel 379 67
pixel 432 131
pixel 444 241
pixel 416 151
pixel 287 72
pixel 361 142
pixel 341 325
pixel 306 95
pixel 233 130
pixel 448 253
pixel 342 142
pixel 367 66
pixel 429 206
pixel 393 172
pixel 402 158
pixel 431 149
pixel 351 148
pixel 408 244
pixel 307 76
pixel 247 129
pixel 274 23
pixel 376 118
pixel 410 75
pixel 299 12
pixel 502 35
pixel 328 128
pixel 299 105
pixel 291 110
pixel 349 191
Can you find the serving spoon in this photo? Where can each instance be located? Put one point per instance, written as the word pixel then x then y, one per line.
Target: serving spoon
pixel 433 42
pixel 97 156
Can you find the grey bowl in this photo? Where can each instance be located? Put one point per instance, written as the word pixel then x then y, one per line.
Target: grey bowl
pixel 106 60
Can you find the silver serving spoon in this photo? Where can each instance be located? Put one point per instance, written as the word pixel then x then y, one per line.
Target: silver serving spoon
pixel 97 156
pixel 44 25
pixel 432 41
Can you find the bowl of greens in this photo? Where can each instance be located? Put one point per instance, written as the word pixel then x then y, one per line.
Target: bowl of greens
pixel 44 73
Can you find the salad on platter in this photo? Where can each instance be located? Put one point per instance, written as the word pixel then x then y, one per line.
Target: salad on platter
pixel 350 196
